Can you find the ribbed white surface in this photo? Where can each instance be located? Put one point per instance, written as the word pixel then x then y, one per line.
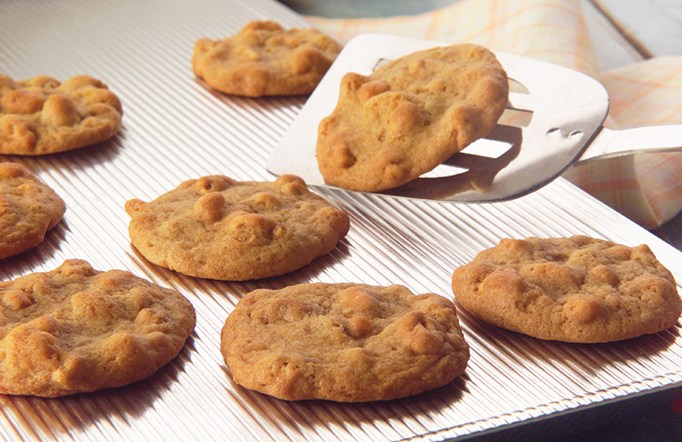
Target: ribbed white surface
pixel 175 129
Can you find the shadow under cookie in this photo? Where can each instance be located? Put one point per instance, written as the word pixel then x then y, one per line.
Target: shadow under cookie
pixel 15 265
pixel 297 415
pixel 71 415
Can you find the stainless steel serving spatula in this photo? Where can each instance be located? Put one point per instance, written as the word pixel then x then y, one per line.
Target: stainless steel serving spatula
pixel 553 120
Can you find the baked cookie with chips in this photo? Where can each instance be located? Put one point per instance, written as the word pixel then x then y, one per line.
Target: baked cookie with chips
pixel 75 330
pixel 41 115
pixel 216 227
pixel 264 59
pixel 409 116
pixel 576 289
pixel 28 209
pixel 343 342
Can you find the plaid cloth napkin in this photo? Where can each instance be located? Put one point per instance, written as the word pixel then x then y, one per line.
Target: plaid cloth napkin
pixel 646 187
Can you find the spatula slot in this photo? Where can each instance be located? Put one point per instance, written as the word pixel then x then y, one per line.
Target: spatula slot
pixel 576 135
pixel 488 148
pixel 555 132
pixel 444 170
pixel 517 87
pixel 380 62
pixel 472 169
pixel 515 117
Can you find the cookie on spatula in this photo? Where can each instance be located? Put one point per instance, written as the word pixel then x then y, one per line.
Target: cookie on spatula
pixel 409 116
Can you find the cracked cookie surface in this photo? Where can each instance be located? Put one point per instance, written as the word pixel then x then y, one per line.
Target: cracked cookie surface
pixel 28 209
pixel 216 227
pixel 42 116
pixel 264 59
pixel 343 342
pixel 75 329
pixel 409 116
pixel 576 289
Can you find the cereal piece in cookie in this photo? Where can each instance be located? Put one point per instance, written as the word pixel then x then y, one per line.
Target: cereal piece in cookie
pixel 28 209
pixel 576 289
pixel 409 116
pixel 343 342
pixel 263 59
pixel 219 228
pixel 75 330
pixel 41 115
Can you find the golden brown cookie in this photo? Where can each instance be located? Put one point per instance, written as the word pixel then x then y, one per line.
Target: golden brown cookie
pixel 409 116
pixel 264 59
pixel 343 342
pixel 28 209
pixel 41 115
pixel 576 289
pixel 75 330
pixel 219 228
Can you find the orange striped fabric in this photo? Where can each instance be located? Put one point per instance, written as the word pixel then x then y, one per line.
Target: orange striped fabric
pixel 643 94
pixel 645 187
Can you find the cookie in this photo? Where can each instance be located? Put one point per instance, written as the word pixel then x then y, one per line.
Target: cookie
pixel 576 289
pixel 28 209
pixel 42 116
pixel 263 59
pixel 75 330
pixel 343 342
pixel 216 227
pixel 409 116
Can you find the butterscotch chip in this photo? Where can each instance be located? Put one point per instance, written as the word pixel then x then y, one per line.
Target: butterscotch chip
pixel 219 228
pixel 41 115
pixel 343 342
pixel 264 59
pixel 75 330
pixel 409 116
pixel 28 209
pixel 576 289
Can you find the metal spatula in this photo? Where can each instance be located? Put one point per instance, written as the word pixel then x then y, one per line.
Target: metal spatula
pixel 553 120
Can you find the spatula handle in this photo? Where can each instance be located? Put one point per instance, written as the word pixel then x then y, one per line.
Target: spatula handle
pixel 611 143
